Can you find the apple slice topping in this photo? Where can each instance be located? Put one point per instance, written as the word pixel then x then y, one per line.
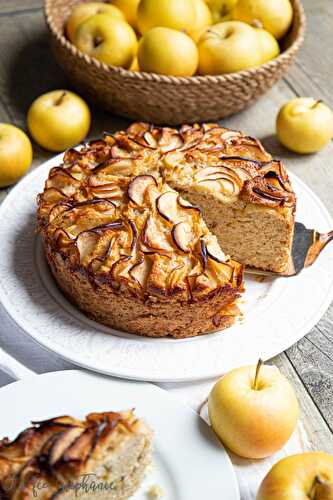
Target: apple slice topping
pixel 167 206
pixel 138 186
pixel 154 238
pixel 183 236
pixel 229 135
pixel 214 251
pixel 187 205
pixel 140 271
pixel 86 243
pixel 150 139
pixel 174 142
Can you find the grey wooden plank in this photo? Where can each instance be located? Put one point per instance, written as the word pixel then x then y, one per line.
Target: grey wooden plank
pixel 317 430
pixel 10 7
pixel 312 74
pixel 312 359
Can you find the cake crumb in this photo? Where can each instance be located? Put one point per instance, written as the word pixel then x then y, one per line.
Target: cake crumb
pixel 155 492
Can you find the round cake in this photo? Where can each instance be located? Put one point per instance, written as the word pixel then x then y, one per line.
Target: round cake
pixel 132 226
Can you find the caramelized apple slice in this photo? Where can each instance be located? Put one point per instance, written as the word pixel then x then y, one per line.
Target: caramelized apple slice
pixel 86 243
pixel 187 205
pixel 173 143
pixel 150 139
pixel 140 271
pixel 154 238
pixel 167 206
pixel 214 251
pixel 183 236
pixel 138 186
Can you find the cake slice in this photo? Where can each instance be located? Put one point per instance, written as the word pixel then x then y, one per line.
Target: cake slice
pixel 104 456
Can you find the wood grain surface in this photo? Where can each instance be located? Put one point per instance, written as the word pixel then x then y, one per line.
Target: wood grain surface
pixel 27 69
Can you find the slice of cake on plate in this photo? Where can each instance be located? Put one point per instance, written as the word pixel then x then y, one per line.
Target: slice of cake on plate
pixel 103 456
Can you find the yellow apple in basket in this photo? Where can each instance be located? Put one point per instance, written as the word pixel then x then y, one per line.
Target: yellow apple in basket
pixel 221 9
pixel 220 41
pixel 175 14
pixel 304 125
pixel 253 410
pixel 85 10
pixel 108 39
pixel 275 15
pixel 15 154
pixel 58 120
pixel 203 19
pixel 269 47
pixel 130 10
pixel 307 475
pixel 167 52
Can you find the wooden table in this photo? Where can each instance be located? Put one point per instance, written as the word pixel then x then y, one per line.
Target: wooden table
pixel 28 69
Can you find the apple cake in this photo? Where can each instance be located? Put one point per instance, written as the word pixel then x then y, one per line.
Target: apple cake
pixel 106 456
pixel 147 230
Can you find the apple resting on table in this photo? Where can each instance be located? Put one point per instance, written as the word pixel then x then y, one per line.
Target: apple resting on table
pixel 307 476
pixel 253 410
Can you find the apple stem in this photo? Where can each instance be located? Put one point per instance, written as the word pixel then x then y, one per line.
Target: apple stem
pixel 256 23
pixel 319 101
pixel 256 378
pixel 60 99
pixel 317 480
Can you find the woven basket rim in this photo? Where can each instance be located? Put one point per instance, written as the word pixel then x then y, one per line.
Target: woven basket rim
pixel 196 79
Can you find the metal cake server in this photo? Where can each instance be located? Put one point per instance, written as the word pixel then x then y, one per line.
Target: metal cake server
pixel 307 245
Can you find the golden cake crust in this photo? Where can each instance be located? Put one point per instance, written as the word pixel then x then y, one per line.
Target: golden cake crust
pixel 129 249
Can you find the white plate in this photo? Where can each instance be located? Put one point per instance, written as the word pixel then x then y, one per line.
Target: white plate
pixel 189 463
pixel 278 312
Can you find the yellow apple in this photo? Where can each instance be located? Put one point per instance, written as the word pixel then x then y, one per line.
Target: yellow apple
pixel 275 15
pixel 304 125
pixel 85 10
pixel 135 65
pixel 108 39
pixel 253 410
pixel 228 47
pixel 15 154
pixel 167 52
pixel 268 45
pixel 129 8
pixel 175 14
pixel 59 120
pixel 203 19
pixel 303 476
pixel 221 9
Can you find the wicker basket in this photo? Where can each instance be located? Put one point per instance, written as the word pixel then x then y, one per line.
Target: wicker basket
pixel 163 99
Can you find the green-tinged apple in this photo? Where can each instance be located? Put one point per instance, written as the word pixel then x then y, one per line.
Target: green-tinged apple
pixel 15 154
pixel 268 45
pixel 220 41
pixel 58 120
pixel 253 410
pixel 167 52
pixel 129 8
pixel 108 39
pixel 85 10
pixel 275 15
pixel 307 476
pixel 203 19
pixel 221 9
pixel 304 125
pixel 175 14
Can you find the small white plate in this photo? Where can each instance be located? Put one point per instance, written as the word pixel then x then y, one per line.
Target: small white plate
pixel 189 463
pixel 278 312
